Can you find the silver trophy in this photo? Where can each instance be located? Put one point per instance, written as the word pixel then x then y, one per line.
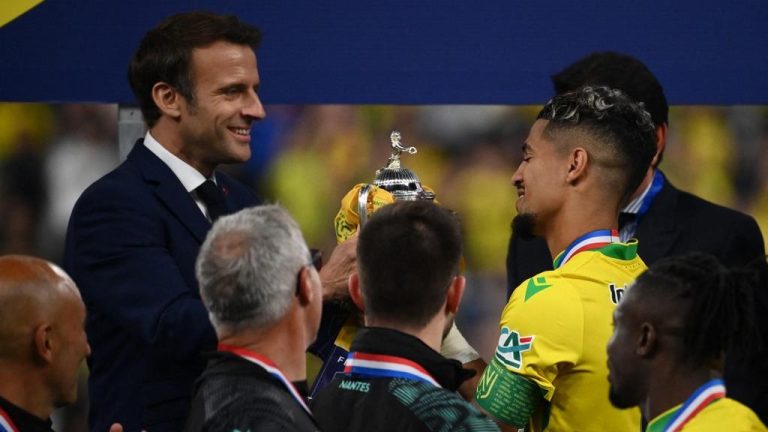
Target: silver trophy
pixel 401 182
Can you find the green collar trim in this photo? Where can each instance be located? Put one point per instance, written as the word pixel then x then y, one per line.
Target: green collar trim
pixel 622 251
pixel 660 423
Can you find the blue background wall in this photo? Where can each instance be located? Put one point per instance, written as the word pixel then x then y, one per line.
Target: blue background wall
pixel 404 52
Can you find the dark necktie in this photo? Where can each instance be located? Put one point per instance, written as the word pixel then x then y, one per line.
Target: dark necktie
pixel 213 197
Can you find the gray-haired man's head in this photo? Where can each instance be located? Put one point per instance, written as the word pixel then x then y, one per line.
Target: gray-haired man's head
pixel 248 267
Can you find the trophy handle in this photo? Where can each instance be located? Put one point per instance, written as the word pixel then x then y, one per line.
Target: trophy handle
pixel 362 204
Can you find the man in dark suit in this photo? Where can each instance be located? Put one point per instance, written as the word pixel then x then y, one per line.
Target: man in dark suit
pixel 666 220
pixel 134 235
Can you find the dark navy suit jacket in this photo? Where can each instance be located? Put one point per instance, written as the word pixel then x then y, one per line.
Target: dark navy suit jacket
pixel 131 246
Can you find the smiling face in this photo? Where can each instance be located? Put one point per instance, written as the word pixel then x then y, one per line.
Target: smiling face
pixel 539 179
pixel 215 126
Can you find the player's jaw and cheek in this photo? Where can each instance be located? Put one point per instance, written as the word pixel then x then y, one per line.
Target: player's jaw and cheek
pixel 623 368
pixel 537 177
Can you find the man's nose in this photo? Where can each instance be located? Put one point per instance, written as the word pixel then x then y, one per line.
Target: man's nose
pixel 253 107
pixel 517 177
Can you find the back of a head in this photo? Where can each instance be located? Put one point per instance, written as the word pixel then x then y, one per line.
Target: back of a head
pixel 620 135
pixel 248 267
pixel 704 306
pixel 30 291
pixel 165 53
pixel 408 253
pixel 618 71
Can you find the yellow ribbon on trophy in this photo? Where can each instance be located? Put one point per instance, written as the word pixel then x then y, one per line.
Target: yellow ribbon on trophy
pixel 347 220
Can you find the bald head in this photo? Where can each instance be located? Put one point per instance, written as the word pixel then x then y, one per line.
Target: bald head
pixel 32 291
pixel 42 335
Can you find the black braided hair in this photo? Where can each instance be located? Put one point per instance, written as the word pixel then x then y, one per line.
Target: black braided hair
pixel 715 304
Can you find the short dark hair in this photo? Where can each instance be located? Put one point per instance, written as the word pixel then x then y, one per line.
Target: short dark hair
pixel 713 305
pixel 165 53
pixel 408 254
pixel 622 129
pixel 617 71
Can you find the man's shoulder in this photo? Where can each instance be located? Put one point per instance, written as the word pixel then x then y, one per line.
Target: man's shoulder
pixel 436 405
pixel 237 398
pixel 394 404
pixel 546 287
pixel 699 207
pixel 725 414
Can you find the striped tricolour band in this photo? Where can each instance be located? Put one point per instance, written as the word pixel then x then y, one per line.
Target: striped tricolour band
pixel 590 240
pixel 6 425
pixel 269 367
pixel 706 394
pixel 385 366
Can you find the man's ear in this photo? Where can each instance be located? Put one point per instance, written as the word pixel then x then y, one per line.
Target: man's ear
pixel 578 159
pixel 354 291
pixel 167 99
pixel 661 144
pixel 43 343
pixel 305 292
pixel 454 295
pixel 646 340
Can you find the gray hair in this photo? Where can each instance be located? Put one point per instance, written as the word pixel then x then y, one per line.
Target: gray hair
pixel 248 267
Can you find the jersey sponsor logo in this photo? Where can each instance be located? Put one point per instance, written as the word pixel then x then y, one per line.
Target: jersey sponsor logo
pixel 616 293
pixel 535 286
pixel 511 348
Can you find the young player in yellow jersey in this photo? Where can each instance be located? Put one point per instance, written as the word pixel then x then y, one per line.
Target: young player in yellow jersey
pixel 584 156
pixel 671 334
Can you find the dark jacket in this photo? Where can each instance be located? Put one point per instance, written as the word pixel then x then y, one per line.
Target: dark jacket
pixel 363 403
pixel 22 420
pixel 234 394
pixel 131 246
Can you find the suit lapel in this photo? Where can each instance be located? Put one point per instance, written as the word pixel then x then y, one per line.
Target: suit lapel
pixel 169 190
pixel 656 232
pixel 221 180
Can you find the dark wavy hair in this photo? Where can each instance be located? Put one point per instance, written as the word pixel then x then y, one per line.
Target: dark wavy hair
pixel 620 126
pixel 165 52
pixel 408 254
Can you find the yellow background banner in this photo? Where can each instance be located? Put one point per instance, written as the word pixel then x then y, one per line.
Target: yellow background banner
pixel 12 9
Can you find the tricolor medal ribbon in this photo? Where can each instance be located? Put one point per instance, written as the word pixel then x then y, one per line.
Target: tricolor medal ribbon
pixel 270 367
pixel 386 366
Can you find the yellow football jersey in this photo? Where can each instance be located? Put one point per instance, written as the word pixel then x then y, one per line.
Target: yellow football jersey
pixel 551 352
pixel 721 415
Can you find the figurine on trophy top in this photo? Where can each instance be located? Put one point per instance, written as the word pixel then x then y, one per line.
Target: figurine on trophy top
pixel 401 182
